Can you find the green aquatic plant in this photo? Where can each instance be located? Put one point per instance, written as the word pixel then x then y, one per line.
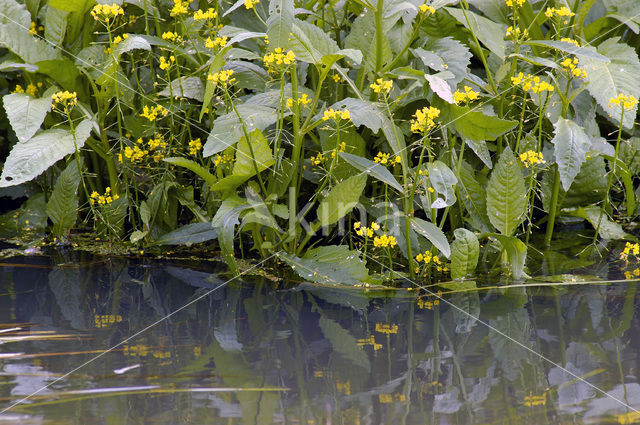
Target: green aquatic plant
pixel 272 127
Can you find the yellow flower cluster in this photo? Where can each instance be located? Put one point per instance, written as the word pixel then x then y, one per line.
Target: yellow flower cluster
pixel 106 12
pixel 469 95
pixel 627 102
pixel 564 11
pixel 223 159
pixel 117 39
pixel 384 241
pixel 105 199
pixel 364 230
pixel 278 58
pixel 570 40
pixel 531 158
pixel 531 83
pixel 336 115
pixel 166 64
pixel 428 258
pixel 303 100
pixel 180 7
pixel 336 77
pixel 152 113
pixel 31 90
pixel 514 3
pixel 106 320
pixel 171 36
pixel 630 249
pixel 571 66
pixel 34 28
pixel 384 159
pixel 139 151
pixel 630 275
pixel 369 341
pixel 424 8
pixel 249 4
pixel 318 159
pixel 200 15
pixel 422 303
pixel 195 146
pixel 516 33
pixel 382 86
pixel 223 77
pixel 65 98
pixel 386 329
pixel 217 42
pixel 424 119
pixel 535 400
pixel 628 418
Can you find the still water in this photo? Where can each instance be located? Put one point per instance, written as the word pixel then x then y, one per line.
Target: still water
pixel 259 351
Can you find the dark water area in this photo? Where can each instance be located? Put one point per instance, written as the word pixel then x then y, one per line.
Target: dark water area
pixel 255 351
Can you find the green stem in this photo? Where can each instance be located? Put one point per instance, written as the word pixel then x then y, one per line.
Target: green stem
pixel 553 206
pixel 379 35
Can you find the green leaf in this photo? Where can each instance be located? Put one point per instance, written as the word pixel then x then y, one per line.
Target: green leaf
pixel 433 233
pixel 473 197
pixel 341 199
pixel 607 80
pixel 475 125
pixel 607 229
pixel 374 169
pixel 629 153
pixel 65 73
pixel 133 42
pixel 480 148
pixel 55 25
pixel 189 87
pixel 244 164
pixel 362 112
pixel 445 54
pixel 506 194
pixel 216 66
pixel 26 114
pixel 363 35
pixel 516 253
pixel 62 207
pixel 227 129
pixel 29 159
pixel 188 235
pixel 570 49
pixel 490 33
pixel 443 181
pixel 12 12
pixel 225 221
pixel 464 253
pixel 310 43
pixel 279 23
pixel 23 44
pixel 195 167
pixel 571 147
pixel 344 343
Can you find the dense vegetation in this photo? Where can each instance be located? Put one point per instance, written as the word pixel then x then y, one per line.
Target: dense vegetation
pixel 353 140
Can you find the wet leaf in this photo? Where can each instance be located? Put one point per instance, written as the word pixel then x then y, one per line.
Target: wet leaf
pixel 464 253
pixel 506 194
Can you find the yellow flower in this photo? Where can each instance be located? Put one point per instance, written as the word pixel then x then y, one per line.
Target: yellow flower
pixel 531 158
pixel 105 12
pixel 278 58
pixel 217 42
pixel 249 4
pixel 336 78
pixel 564 11
pixel 424 8
pixel 152 113
pixel 105 199
pixel 65 99
pixel 31 90
pixel 382 158
pixel 382 86
pixel 469 95
pixel 200 15
pixel 570 40
pixel 303 100
pixel 386 329
pixel 424 119
pixel 165 64
pixel 532 83
pixel 171 36
pixel 516 33
pixel 336 115
pixel 180 7
pixel 630 249
pixel 627 102
pixel 223 77
pixel 33 28
pixel 571 66
pixel 514 3
pixel 384 241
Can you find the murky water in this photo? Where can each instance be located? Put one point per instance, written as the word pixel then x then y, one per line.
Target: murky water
pixel 259 352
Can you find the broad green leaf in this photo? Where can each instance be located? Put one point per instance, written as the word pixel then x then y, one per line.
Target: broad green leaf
pixel 433 233
pixel 225 221
pixel 570 49
pixel 310 43
pixel 443 181
pixel 189 87
pixel 571 147
pixel 12 12
pixel 344 343
pixel 70 5
pixel 362 112
pixel 26 114
pixel 342 256
pixel 216 66
pixel 445 54
pixel 133 42
pixel 351 270
pixel 440 87
pixel 395 138
pixel 506 194
pixel 475 125
pixel 607 229
pixel 280 23
pixel 479 147
pixel 607 80
pixel 23 44
pixel 363 35
pixel 55 25
pixel 227 129
pixel 376 170
pixel 29 159
pixel 629 153
pixel 62 207
pixel 188 234
pixel 490 33
pixel 464 253
pixel 342 198
pixel 473 197
pixel 516 253
pixel 65 73
pixel 195 167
